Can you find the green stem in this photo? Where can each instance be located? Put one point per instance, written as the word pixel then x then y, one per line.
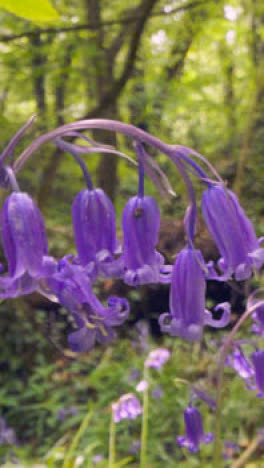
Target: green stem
pixel 217 459
pixel 112 441
pixel 144 427
pixel 67 463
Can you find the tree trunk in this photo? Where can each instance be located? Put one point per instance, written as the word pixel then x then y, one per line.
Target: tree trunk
pixel 49 172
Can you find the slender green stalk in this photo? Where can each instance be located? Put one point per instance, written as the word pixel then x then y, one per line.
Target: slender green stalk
pixel 112 442
pixel 67 463
pixel 144 427
pixel 217 459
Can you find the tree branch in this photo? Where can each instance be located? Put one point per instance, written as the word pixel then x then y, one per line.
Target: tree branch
pixel 110 96
pixel 90 26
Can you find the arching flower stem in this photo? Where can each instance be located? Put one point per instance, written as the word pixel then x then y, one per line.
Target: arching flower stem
pixel 12 179
pixel 8 151
pixel 61 144
pixel 175 153
pixel 141 172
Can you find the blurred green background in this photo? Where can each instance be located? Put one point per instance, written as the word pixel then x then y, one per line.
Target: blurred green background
pixel 191 73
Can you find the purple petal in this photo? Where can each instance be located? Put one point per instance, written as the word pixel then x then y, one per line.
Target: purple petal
pixel 225 319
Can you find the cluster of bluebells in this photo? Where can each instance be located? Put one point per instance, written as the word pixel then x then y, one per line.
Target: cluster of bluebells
pixel 135 260
pixel 129 407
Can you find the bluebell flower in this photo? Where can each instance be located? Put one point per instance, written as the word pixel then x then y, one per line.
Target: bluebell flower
pixel 25 247
pixel 141 223
pixel 194 431
pixel 199 394
pixel 188 314
pixel 257 316
pixel 230 449
pixel 94 229
pixel 258 363
pixel 94 321
pixel 127 407
pixel 157 393
pixel 242 365
pixel 157 358
pixel 233 234
pixel 251 368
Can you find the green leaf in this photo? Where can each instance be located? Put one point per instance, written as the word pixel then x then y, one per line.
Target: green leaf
pixel 31 10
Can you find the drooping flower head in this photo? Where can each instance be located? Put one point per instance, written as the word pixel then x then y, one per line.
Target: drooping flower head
pixel 94 228
pixel 141 223
pixel 199 394
pixel 127 407
pixel 250 368
pixel 94 321
pixel 194 431
pixel 25 247
pixel 232 232
pixel 188 315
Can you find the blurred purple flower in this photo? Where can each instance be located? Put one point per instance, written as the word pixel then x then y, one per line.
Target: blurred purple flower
pixel 241 364
pixel 258 363
pixel 188 315
pixel 230 449
pixel 127 407
pixel 250 369
pixel 97 458
pixel 233 234
pixel 25 246
pixel 7 435
pixel 135 447
pixel 258 315
pixel 157 358
pixel 194 431
pixel 197 393
pixel 134 374
pixel 157 392
pixel 63 413
pixel 142 263
pixel 142 386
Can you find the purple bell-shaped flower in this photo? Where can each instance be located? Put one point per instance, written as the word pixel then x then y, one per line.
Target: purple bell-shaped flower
pixel 94 228
pixel 127 407
pixel 188 315
pixel 258 315
pixel 258 363
pixel 194 431
pixel 232 232
pixel 142 263
pixel 25 246
pixel 94 321
pixel 242 365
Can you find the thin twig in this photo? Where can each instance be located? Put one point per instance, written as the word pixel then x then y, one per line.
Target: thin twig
pixel 240 462
pixel 91 26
